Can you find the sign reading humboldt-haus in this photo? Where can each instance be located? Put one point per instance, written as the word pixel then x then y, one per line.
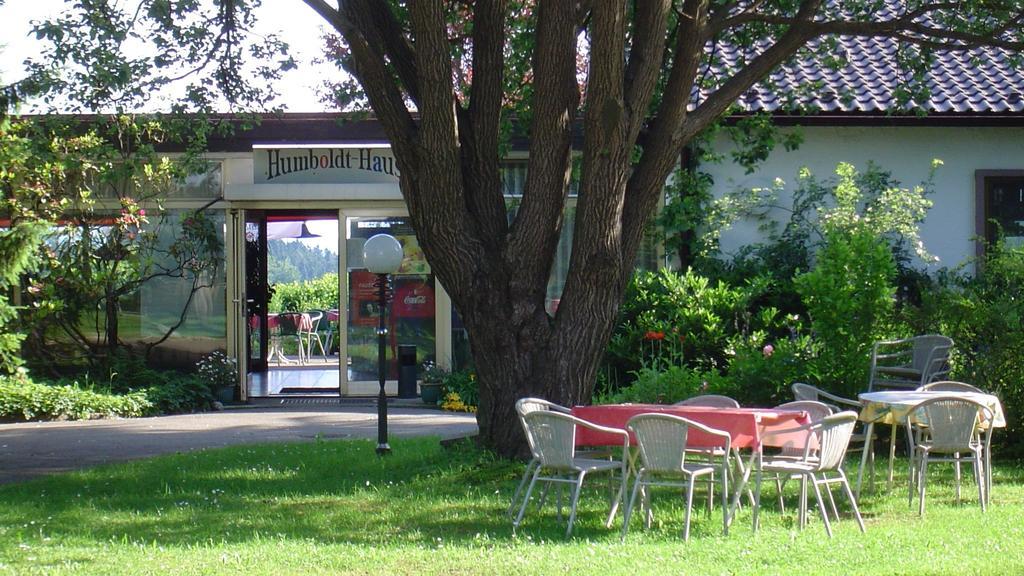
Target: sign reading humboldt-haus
pixel 324 165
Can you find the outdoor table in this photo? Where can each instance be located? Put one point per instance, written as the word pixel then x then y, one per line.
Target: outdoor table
pixel 745 426
pixel 302 321
pixel 895 406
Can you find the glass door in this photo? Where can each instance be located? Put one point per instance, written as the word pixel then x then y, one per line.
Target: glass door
pixel 256 289
pixel 411 310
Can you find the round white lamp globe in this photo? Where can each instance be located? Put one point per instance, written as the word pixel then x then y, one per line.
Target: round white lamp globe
pixel 382 254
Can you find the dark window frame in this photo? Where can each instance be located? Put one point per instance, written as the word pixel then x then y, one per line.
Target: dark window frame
pixel 981 180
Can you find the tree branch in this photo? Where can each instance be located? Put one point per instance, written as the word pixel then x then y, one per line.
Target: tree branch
pixel 370 67
pixel 538 222
pixel 665 138
pixel 479 128
pixel 645 57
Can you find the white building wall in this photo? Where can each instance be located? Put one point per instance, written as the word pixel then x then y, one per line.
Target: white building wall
pixel 906 152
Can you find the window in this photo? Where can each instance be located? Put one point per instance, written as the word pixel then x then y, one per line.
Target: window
pixel 1000 210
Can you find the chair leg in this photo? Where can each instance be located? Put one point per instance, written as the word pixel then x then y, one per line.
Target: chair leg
pixel 631 504
pixel 619 496
pixel 921 483
pixel 979 475
pixel 689 507
pixel 821 506
pixel 725 498
pixel 853 502
pixel 956 475
pixel 802 516
pixel 519 489
pixel 526 499
pixel 757 497
pixel 575 499
pixel 831 501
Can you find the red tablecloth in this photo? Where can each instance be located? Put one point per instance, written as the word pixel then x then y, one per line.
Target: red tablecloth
pixel 745 426
pixel 302 321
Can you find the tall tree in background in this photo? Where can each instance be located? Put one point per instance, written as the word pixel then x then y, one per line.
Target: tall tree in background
pixel 643 78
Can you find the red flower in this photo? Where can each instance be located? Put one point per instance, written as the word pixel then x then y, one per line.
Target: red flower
pixel 654 335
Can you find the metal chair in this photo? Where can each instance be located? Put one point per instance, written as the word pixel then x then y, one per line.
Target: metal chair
pixel 662 439
pixel 815 411
pixel 954 427
pixel 838 404
pixel 551 436
pixel 909 363
pixel 290 325
pixel 523 407
pixel 712 400
pixel 315 317
pixel 951 386
pixel 831 437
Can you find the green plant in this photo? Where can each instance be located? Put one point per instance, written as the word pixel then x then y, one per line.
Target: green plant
pixel 984 315
pixel 463 384
pixel 763 371
pixel 674 383
pixel 849 298
pixel 217 370
pixel 321 294
pixel 23 398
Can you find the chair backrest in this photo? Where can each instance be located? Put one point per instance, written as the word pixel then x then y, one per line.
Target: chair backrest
pixel 662 440
pixel 951 386
pixel 833 435
pixel 952 422
pixel 315 316
pixel 525 405
pixel 552 436
pixel 807 392
pixel 816 410
pixel 289 322
pixel 931 349
pixel 713 400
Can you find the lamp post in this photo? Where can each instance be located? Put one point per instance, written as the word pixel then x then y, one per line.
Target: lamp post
pixel 382 255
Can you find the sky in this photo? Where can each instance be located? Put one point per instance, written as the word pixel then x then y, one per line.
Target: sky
pixel 296 22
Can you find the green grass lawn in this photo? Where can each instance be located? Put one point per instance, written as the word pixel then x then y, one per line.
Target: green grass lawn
pixel 333 507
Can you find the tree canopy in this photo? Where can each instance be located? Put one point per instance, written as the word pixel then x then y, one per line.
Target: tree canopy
pixel 617 88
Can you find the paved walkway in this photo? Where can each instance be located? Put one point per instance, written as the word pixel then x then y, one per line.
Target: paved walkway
pixel 36 448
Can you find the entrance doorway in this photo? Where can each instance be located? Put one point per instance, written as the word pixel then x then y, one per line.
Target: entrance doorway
pixel 311 330
pixel 292 296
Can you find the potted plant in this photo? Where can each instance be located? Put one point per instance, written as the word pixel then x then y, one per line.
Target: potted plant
pixel 432 383
pixel 220 373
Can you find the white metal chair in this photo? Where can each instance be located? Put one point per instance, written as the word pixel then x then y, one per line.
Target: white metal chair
pixel 837 403
pixel 831 436
pixel 815 411
pixel 712 400
pixel 954 427
pixel 315 316
pixel 662 439
pixel 551 436
pixel 951 386
pixel 910 362
pixel 523 407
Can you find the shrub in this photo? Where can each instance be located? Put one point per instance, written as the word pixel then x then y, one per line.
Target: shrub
pixel 674 383
pixel 763 371
pixel 217 370
pixel 320 294
pixel 22 398
pixel 984 315
pixel 849 298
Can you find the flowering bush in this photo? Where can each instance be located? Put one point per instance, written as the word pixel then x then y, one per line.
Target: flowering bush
pixel 217 370
pixel 453 403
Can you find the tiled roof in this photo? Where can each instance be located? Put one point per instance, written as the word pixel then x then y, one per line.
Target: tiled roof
pixel 983 81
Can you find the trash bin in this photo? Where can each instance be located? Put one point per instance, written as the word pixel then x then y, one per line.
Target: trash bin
pixel 407 371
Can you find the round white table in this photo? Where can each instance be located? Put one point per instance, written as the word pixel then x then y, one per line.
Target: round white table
pixel 894 406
